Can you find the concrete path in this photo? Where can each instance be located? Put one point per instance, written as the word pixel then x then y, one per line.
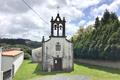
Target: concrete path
pixel 63 77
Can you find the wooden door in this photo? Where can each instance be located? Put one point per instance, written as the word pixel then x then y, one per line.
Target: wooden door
pixel 57 64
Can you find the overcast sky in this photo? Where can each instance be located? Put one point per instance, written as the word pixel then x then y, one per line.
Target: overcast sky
pixel 19 21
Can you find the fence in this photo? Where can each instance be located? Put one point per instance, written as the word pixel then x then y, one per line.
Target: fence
pixel 111 64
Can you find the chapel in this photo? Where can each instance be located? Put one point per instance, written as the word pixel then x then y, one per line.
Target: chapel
pixel 57 51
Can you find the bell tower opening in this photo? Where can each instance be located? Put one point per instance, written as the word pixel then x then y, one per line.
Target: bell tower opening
pixel 58 26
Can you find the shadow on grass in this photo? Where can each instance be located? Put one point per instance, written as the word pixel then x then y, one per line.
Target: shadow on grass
pixel 101 68
pixel 39 71
pixel 30 62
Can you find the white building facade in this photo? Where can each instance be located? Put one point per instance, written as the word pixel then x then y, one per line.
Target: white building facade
pixel 57 52
pixel 37 55
pixel 11 61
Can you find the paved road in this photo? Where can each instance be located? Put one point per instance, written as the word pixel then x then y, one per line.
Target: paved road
pixel 63 77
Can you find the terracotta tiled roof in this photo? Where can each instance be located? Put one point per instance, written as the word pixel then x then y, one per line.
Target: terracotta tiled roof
pixel 11 53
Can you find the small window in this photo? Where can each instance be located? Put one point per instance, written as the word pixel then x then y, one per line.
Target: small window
pixel 58 19
pixel 58 46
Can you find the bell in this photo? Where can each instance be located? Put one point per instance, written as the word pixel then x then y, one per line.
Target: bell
pixel 55 27
pixel 60 27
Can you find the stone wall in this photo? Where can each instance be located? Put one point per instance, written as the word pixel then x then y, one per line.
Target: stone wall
pixel 111 64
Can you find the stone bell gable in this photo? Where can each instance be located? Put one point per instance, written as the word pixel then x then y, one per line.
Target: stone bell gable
pixel 58 25
pixel 57 52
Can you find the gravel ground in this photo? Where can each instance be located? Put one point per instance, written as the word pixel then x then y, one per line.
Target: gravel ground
pixel 63 77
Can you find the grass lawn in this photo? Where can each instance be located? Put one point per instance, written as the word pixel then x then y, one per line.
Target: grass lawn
pixel 30 70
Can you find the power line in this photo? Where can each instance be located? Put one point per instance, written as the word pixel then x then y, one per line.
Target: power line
pixel 34 11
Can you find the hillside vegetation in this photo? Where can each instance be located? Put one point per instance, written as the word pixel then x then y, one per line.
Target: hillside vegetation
pixel 99 41
pixel 25 44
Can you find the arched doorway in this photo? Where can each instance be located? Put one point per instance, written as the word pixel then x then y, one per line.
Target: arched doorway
pixel 57 64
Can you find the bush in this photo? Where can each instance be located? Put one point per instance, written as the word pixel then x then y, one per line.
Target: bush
pixel 27 56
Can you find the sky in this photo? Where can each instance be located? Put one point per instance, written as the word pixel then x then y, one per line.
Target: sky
pixel 18 21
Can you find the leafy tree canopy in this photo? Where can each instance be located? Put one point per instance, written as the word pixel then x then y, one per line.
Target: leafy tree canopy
pixel 99 41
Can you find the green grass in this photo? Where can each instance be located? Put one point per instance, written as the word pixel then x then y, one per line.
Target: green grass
pixel 30 70
pixel 26 71
pixel 97 72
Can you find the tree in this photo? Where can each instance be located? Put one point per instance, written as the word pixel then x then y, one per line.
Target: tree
pixel 113 17
pixel 96 42
pixel 106 17
pixel 97 23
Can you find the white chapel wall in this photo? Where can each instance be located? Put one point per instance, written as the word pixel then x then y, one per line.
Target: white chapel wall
pixel 66 51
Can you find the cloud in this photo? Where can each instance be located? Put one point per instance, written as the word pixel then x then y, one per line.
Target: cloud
pixel 19 21
pixel 12 6
pixel 82 4
pixel 89 23
pixel 119 17
pixel 82 22
pixel 17 6
pixel 113 7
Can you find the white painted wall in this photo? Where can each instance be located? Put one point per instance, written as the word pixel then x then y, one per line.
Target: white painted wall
pixel 66 52
pixel 37 55
pixel 1 76
pixel 17 61
pixel 0 62
pixel 7 62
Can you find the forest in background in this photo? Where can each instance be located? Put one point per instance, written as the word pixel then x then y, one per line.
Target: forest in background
pixel 99 41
